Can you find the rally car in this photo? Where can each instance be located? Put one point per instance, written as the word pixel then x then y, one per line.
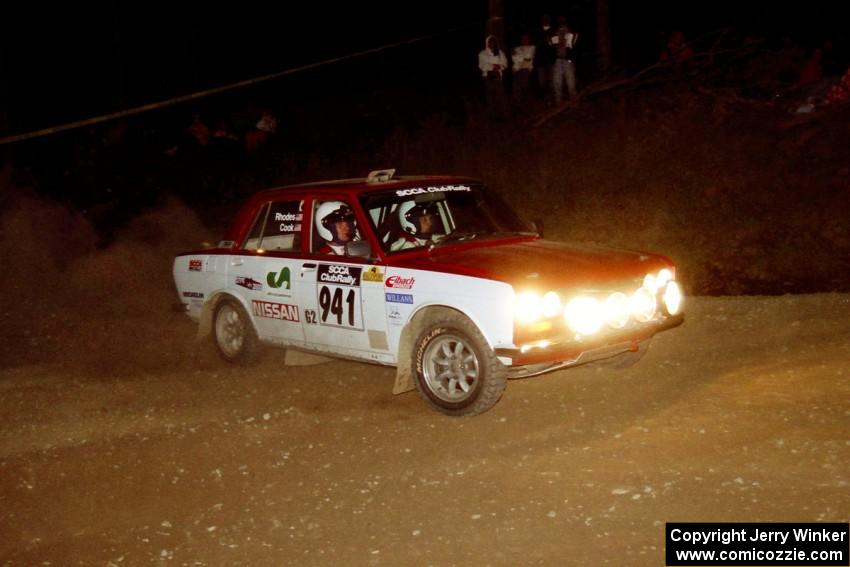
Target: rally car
pixel 434 275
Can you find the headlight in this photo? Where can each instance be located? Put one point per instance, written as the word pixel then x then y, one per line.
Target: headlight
pixel 656 282
pixel 551 304
pixel 664 276
pixel 642 305
pixel 672 297
pixel 617 310
pixel 529 307
pixel 584 315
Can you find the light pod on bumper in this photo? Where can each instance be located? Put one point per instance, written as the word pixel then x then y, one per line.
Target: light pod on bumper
pixel 617 310
pixel 672 297
pixel 529 307
pixel 551 304
pixel 642 305
pixel 584 315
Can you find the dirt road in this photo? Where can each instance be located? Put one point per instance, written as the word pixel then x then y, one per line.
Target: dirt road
pixel 123 444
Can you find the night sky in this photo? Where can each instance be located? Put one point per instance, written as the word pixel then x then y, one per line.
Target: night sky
pixel 71 61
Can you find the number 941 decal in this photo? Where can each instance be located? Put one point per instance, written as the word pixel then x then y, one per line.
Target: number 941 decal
pixel 339 298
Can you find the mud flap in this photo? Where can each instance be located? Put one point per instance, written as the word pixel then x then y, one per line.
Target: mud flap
pixel 403 380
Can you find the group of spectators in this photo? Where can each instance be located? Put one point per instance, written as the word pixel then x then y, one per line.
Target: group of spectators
pixel 823 78
pixel 248 136
pixel 543 64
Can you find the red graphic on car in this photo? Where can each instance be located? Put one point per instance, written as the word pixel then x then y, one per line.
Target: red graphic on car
pixel 398 282
pixel 249 283
pixel 195 265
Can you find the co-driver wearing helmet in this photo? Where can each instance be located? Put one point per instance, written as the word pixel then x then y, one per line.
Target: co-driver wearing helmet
pixel 419 222
pixel 337 226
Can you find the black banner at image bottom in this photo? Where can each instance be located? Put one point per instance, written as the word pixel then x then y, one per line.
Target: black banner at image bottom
pixel 744 544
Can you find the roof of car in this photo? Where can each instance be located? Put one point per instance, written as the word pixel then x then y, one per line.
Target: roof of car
pixel 362 185
pixel 353 188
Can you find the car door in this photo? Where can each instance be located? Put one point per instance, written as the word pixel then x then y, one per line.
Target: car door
pixel 343 302
pixel 262 272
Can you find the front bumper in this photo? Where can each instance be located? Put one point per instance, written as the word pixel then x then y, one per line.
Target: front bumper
pixel 542 356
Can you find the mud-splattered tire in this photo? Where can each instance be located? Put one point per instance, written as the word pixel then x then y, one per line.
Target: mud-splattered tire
pixel 626 359
pixel 455 370
pixel 233 334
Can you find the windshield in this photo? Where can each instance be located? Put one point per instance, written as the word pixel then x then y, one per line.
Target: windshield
pixel 429 216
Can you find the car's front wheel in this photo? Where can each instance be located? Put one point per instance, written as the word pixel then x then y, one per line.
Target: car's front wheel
pixel 457 372
pixel 234 334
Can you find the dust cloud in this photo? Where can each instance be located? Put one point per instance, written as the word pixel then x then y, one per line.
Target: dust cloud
pixel 66 294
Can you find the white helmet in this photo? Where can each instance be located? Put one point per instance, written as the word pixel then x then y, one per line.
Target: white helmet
pixel 409 212
pixel 329 213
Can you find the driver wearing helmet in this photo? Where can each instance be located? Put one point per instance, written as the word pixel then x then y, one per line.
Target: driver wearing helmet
pixel 336 224
pixel 419 222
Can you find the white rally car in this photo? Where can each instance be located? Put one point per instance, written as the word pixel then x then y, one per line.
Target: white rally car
pixel 433 275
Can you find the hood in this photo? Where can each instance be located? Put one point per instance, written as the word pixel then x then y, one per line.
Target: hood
pixel 487 39
pixel 542 263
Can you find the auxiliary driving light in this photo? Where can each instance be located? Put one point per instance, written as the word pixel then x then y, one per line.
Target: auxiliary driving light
pixel 551 304
pixel 529 307
pixel 616 309
pixel 642 305
pixel 672 297
pixel 656 282
pixel 584 315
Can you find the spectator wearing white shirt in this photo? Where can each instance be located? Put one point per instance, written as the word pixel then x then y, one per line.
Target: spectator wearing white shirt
pixel 523 67
pixel 492 63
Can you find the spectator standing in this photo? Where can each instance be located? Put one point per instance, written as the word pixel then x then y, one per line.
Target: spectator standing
pixel 523 67
pixel 544 56
pixel 677 51
pixel 492 63
pixel 264 129
pixel 564 70
pixel 267 122
pixel 199 131
pixel 840 91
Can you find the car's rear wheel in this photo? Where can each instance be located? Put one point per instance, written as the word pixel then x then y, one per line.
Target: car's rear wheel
pixel 234 334
pixel 456 371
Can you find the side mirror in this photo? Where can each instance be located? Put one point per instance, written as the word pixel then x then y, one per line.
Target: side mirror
pixel 358 249
pixel 537 225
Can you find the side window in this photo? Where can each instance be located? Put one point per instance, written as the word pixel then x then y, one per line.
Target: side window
pixel 277 227
pixel 334 226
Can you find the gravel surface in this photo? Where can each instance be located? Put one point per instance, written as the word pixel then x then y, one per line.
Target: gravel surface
pixel 127 443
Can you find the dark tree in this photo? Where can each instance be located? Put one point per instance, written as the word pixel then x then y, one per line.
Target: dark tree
pixel 603 38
